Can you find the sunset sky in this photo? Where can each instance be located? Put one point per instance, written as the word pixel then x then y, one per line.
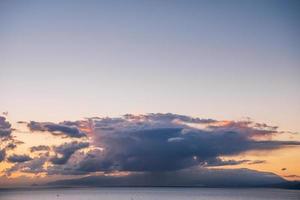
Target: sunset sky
pixel 119 88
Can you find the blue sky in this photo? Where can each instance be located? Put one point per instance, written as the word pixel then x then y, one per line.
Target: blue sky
pixel 215 59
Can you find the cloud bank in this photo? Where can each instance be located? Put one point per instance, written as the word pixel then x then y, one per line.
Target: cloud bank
pixel 145 144
pixel 164 142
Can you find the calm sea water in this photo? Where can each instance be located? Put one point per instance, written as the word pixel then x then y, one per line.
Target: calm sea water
pixel 150 194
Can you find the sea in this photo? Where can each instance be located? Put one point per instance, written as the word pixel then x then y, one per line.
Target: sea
pixel 150 194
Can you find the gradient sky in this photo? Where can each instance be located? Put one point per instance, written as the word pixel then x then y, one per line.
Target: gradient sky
pixel 225 60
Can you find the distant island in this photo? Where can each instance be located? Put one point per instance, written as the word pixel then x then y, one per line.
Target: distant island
pixel 220 179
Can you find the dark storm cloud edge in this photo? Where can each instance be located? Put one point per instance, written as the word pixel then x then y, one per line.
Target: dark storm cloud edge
pixel 150 144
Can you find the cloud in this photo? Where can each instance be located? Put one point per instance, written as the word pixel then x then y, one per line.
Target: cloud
pixel 65 151
pixel 152 143
pixel 59 162
pixel 5 113
pixel 35 165
pixel 18 158
pixel 168 117
pixel 158 142
pixel 39 148
pixel 2 155
pixel 5 137
pixel 56 129
pixel 219 162
pixel 255 162
pixel 10 146
pixel 5 128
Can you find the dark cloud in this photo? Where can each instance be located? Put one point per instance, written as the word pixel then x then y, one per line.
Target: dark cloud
pixel 158 142
pixel 56 129
pixel 35 165
pixel 152 143
pixel 21 122
pixel 255 162
pixel 10 146
pixel 283 169
pixel 65 151
pixel 18 142
pixel 2 155
pixel 39 148
pixel 59 162
pixel 18 158
pixel 5 128
pixel 5 137
pixel 5 113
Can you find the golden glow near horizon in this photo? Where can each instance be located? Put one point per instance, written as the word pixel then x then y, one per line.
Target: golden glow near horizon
pixel 283 162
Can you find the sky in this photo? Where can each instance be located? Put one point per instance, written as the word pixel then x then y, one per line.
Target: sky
pixel 66 66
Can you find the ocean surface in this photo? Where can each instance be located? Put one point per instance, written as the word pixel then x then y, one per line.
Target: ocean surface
pixel 150 194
